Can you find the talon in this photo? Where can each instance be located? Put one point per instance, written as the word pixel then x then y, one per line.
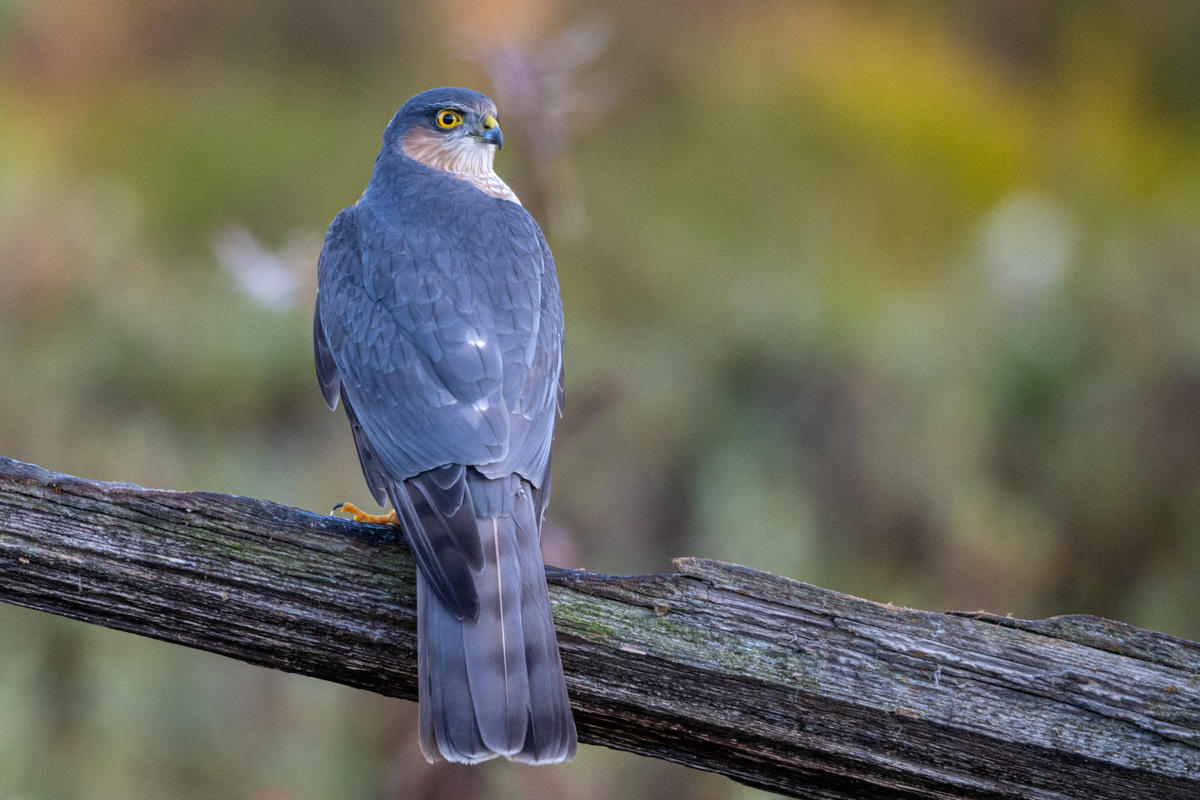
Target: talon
pixel 359 515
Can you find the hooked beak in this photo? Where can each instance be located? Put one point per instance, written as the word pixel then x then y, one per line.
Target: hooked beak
pixel 490 131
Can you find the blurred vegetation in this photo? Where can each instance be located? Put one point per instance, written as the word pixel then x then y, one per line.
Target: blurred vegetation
pixel 896 298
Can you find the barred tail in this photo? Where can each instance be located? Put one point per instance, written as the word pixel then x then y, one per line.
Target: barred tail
pixel 495 686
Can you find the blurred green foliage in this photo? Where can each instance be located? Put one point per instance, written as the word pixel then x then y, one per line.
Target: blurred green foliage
pixel 897 298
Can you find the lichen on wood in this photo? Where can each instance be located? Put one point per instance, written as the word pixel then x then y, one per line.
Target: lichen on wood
pixel 775 683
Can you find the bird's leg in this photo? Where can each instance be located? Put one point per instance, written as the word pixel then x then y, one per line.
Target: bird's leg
pixel 389 518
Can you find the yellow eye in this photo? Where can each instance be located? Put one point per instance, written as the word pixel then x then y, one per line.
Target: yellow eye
pixel 448 119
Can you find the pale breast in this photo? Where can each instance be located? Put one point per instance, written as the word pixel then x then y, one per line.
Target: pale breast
pixel 490 183
pixel 463 157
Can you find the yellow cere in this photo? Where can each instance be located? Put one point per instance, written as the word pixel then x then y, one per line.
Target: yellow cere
pixel 489 122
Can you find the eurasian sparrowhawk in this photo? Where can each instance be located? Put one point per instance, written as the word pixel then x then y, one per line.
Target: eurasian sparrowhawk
pixel 439 326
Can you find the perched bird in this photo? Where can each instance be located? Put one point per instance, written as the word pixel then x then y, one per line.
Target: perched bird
pixel 439 326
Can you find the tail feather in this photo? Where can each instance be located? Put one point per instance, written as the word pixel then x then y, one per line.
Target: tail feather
pixel 495 686
pixel 551 735
pixel 493 646
pixel 448 725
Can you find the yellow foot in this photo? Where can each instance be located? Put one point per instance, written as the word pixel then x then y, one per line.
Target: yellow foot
pixel 362 516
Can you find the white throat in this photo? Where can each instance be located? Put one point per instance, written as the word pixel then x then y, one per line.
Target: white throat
pixel 463 157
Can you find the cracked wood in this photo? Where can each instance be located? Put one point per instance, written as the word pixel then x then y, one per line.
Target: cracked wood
pixel 775 683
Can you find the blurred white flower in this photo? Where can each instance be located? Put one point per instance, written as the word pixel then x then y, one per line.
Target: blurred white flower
pixel 1028 240
pixel 274 280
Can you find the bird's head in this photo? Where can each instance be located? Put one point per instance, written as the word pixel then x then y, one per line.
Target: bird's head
pixel 450 129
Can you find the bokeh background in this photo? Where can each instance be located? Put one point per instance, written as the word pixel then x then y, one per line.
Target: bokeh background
pixel 901 299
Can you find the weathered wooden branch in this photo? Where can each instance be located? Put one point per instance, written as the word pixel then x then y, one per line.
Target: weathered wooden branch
pixel 775 683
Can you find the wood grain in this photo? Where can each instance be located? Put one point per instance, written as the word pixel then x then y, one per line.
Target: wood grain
pixel 775 683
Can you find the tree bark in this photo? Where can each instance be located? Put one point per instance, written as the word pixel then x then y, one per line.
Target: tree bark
pixel 774 683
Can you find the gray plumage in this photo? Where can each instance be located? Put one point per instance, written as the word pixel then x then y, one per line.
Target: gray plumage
pixel 439 327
